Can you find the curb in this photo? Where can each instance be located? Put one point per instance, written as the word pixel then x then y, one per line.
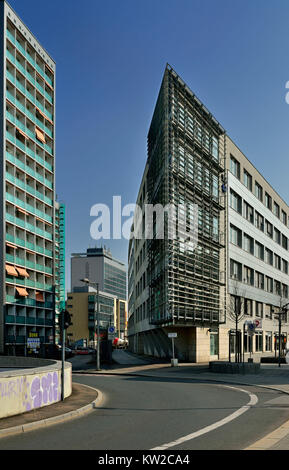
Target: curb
pixel 273 438
pixel 55 419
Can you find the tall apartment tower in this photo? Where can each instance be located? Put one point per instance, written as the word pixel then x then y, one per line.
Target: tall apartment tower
pixel 27 238
pixel 172 286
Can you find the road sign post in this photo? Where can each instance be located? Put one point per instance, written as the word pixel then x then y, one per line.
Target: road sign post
pixel 174 362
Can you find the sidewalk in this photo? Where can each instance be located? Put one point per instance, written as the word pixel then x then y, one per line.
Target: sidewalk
pixel 82 400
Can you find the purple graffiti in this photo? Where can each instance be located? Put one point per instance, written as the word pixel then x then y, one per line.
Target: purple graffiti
pixel 36 393
pixel 44 391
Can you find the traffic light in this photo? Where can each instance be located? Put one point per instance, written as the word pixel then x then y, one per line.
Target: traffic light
pixel 64 319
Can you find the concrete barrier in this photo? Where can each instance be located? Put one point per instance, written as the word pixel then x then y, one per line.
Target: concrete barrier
pixel 38 384
pixel 235 367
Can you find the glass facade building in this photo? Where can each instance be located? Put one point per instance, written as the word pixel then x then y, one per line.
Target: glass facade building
pixel 176 283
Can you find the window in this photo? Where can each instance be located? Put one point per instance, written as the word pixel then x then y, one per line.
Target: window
pixel 214 343
pixel 235 236
pixel 235 167
pixel 285 291
pixel 268 313
pixel 248 342
pixel 247 180
pixel 259 280
pixel 285 266
pixel 277 287
pixel 235 270
pixel 259 309
pixel 235 201
pixel 215 148
pixel 269 229
pixel 259 250
pixel 277 236
pixel 285 242
pixel 276 210
pixel 284 217
pixel 258 191
pixel 259 221
pixel 248 244
pixel 248 307
pixel 248 212
pixel 269 256
pixel 269 285
pixel 248 276
pixel 268 341
pixel 277 262
pixel 259 341
pixel 268 201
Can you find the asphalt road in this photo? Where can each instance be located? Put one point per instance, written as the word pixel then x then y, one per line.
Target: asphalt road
pixel 146 413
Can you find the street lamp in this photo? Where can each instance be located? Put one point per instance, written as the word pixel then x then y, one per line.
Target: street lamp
pixel 95 284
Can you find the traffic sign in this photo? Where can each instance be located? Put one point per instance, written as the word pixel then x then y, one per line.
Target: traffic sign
pixel 258 323
pixel 173 335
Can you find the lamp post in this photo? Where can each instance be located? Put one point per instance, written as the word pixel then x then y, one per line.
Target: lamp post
pixel 282 311
pixel 95 284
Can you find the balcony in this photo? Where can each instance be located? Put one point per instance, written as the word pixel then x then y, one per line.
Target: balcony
pixel 30 115
pixel 28 302
pixel 27 56
pixel 28 207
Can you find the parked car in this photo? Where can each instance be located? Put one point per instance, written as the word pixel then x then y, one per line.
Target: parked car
pixel 68 352
pixel 82 351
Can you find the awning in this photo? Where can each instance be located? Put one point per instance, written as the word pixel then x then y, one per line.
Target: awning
pixel 44 115
pixel 11 270
pixel 22 272
pixel 22 292
pixel 11 246
pixel 22 133
pixel 40 135
pixel 21 210
pixel 39 296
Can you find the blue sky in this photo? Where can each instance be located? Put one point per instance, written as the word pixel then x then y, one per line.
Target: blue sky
pixel 110 60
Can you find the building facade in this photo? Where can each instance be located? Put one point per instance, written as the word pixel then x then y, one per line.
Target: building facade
pixel 240 263
pixel 258 257
pixel 98 265
pixel 27 238
pixel 173 286
pixel 59 266
pixel 82 304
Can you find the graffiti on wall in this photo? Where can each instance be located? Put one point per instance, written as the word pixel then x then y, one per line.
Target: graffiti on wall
pixel 43 391
pixel 35 391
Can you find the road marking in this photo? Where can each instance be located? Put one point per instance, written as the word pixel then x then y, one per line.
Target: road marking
pixel 253 401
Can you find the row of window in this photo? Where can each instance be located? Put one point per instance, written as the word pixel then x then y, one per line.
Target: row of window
pixel 258 190
pixel 254 278
pixel 255 218
pixel 247 243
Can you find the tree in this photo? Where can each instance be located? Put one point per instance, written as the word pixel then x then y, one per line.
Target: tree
pixel 281 316
pixel 236 313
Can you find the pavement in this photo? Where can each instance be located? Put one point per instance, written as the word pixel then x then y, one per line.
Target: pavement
pixel 85 399
pixel 82 400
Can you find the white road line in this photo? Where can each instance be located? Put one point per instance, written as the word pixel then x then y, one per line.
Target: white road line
pixel 253 401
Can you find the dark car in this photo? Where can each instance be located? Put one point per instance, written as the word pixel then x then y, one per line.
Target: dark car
pixel 68 352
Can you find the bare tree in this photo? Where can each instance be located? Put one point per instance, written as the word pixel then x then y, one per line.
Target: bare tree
pixel 281 316
pixel 236 312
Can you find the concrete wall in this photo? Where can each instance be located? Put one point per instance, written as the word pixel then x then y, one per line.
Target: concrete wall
pixel 28 389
